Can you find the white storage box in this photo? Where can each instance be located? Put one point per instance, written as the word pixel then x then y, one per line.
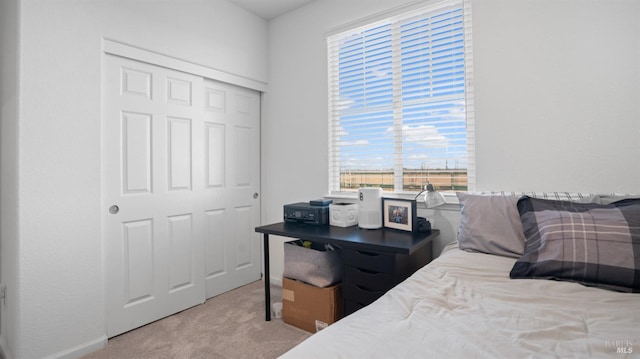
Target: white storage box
pixel 343 214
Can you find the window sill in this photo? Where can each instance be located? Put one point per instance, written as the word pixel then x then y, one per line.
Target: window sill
pixel 451 199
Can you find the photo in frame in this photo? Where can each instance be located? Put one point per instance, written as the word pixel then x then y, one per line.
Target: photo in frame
pixel 399 214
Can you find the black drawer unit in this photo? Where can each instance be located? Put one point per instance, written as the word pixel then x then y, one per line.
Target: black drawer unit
pixel 350 307
pixel 360 295
pixel 374 260
pixel 369 279
pixel 370 274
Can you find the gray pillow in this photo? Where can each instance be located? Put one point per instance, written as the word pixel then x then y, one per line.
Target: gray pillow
pixel 490 224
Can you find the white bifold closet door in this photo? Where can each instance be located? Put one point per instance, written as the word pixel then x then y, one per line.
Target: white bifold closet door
pixel 180 190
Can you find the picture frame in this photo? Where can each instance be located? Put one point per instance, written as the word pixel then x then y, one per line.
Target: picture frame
pixel 399 214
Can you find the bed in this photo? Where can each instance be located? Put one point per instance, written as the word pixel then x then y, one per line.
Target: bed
pixel 498 292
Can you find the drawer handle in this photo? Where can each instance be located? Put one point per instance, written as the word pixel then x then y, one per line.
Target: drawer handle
pixel 365 289
pixel 366 271
pixel 370 254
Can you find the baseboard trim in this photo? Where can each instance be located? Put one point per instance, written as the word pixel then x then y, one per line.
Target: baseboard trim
pixel 82 349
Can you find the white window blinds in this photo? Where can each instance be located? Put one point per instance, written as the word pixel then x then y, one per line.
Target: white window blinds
pixel 400 102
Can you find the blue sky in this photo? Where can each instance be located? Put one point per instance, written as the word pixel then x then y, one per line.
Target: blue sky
pixel 429 81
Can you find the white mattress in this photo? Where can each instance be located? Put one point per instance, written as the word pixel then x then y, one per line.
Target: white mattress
pixel 464 305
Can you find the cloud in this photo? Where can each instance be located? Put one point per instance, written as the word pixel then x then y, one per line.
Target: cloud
pixel 423 135
pixel 340 133
pixel 354 143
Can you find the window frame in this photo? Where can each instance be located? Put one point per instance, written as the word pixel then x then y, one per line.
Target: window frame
pixel 395 17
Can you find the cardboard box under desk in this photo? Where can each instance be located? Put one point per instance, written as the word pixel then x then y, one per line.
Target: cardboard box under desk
pixel 308 307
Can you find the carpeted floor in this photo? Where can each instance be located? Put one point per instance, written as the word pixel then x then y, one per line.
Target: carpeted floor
pixel 230 325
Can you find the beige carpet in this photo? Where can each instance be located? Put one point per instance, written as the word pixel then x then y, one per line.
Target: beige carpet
pixel 230 325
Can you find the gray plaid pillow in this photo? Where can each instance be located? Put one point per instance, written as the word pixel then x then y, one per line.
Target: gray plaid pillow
pixel 592 244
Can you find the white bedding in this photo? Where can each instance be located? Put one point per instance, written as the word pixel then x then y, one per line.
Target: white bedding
pixel 464 305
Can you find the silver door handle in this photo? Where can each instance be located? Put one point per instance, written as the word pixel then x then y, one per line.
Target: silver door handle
pixel 114 209
pixel 256 195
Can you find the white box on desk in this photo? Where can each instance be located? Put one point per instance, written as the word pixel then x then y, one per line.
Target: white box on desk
pixel 343 214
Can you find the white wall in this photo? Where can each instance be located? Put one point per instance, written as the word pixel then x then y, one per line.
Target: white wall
pixel 557 89
pixel 61 309
pixel 557 85
pixel 8 170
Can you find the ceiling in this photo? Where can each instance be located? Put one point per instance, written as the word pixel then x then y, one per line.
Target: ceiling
pixel 269 9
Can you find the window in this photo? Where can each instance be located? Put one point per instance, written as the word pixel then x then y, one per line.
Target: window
pixel 400 102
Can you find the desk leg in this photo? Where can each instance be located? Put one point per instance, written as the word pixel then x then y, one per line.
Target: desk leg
pixel 267 280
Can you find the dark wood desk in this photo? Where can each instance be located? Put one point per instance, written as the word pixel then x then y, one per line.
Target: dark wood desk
pixel 412 250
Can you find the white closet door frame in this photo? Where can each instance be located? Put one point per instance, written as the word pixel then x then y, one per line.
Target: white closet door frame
pixel 123 50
